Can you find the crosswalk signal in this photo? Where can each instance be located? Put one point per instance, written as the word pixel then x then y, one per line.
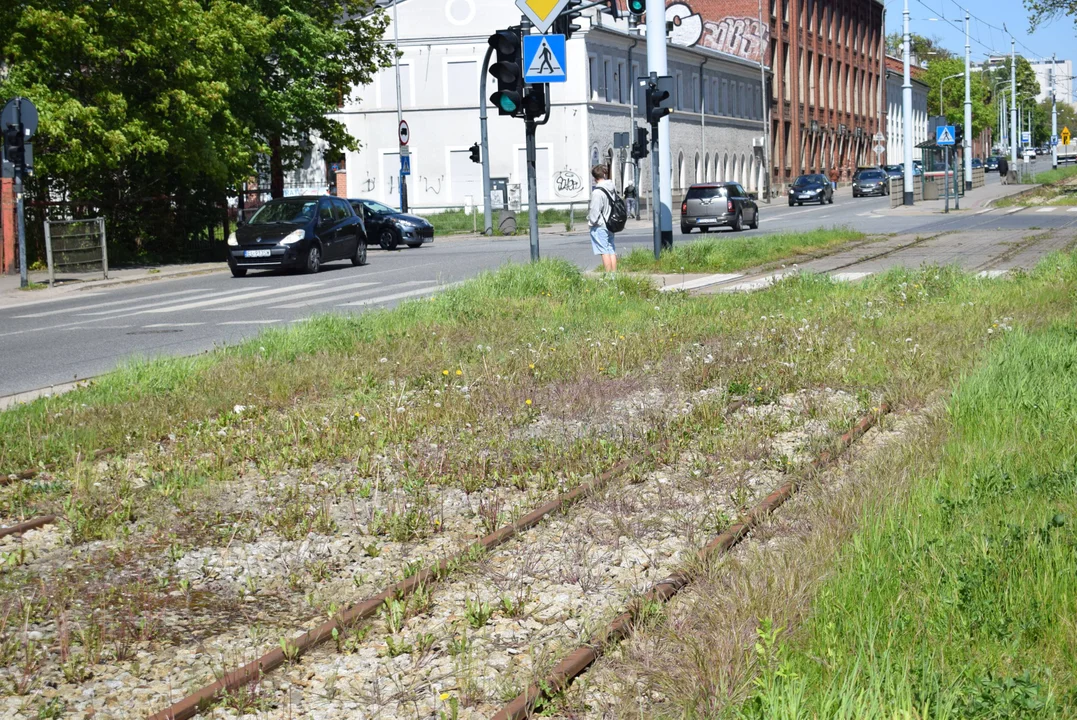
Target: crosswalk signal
pixel 508 70
pixel 476 157
pixel 659 102
pixel 14 152
pixel 639 147
pixel 637 7
pixel 959 134
pixel 563 25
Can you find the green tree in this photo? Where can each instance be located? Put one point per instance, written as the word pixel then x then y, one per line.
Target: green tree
pixel 1041 11
pixel 924 48
pixel 953 94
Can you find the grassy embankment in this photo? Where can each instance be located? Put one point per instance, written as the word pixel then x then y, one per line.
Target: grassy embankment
pixel 457 222
pixel 731 252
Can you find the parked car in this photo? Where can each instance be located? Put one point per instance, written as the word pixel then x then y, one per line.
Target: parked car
pixel 811 188
pixel 870 182
pixel 710 205
pixel 977 163
pixel 298 232
pixel 991 164
pixel 895 171
pixel 389 227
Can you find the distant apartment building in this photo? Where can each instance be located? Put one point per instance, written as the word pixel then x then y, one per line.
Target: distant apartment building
pixel 1062 73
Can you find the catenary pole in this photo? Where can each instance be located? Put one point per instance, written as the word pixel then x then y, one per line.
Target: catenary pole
pixel 402 179
pixel 966 146
pixel 1054 116
pixel 656 63
pixel 1013 103
pixel 765 95
pixel 906 109
pixel 484 141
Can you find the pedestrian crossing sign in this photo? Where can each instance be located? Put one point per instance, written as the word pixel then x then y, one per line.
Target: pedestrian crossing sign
pixel 944 135
pixel 544 58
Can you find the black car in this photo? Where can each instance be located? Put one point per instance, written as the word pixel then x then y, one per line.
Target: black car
pixel 389 228
pixel 710 205
pixel 811 188
pixel 298 232
pixel 977 163
pixel 991 164
pixel 894 171
pixel 871 182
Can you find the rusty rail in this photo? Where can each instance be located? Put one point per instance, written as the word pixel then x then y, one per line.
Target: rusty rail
pixel 621 627
pixel 28 525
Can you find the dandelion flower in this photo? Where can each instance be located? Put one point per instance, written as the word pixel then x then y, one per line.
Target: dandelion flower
pixel 759 388
pixel 459 373
pixel 445 372
pixel 444 696
pixel 532 366
pixel 527 402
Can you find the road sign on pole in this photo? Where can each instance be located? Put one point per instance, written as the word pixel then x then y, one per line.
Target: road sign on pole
pixel 541 13
pixel 403 132
pixel 1026 137
pixel 944 135
pixel 405 164
pixel 1065 136
pixel 544 59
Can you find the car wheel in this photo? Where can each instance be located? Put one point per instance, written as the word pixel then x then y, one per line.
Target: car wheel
pixel 314 259
pixel 737 227
pixel 685 230
pixel 360 253
pixel 238 271
pixel 415 244
pixel 388 239
pixel 791 203
pixel 754 224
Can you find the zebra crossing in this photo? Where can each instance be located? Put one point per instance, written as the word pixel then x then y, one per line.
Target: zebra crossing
pixel 207 305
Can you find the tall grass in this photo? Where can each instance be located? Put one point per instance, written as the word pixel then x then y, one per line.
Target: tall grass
pixel 1048 177
pixel 727 253
pixel 457 222
pixel 961 600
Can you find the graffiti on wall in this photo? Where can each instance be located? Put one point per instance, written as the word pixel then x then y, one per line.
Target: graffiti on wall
pixel 694 24
pixel 567 184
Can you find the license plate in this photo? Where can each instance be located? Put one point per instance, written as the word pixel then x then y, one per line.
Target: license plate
pixel 707 220
pixel 256 253
pixel 805 196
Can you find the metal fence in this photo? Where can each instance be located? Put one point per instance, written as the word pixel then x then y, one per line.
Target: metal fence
pixel 76 246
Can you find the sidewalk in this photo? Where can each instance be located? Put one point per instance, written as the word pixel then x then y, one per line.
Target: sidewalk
pixel 981 198
pixel 12 296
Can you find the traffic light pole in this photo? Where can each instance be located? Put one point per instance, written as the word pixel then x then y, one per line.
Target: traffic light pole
pixel 484 142
pixel 656 205
pixel 532 190
pixel 19 209
pixel 661 193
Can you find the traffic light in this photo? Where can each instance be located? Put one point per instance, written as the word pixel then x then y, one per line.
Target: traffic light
pixel 563 25
pixel 959 135
pixel 659 99
pixel 508 70
pixel 14 151
pixel 535 100
pixel 475 156
pixel 637 7
pixel 639 147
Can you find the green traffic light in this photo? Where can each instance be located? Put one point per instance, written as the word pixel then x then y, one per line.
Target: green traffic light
pixel 637 7
pixel 506 103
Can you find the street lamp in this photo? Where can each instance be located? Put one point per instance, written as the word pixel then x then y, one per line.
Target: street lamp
pixel 948 77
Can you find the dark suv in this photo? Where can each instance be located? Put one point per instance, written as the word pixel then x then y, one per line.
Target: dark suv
pixel 298 232
pixel 871 181
pixel 711 205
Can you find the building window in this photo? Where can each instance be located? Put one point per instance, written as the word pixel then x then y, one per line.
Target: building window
pixel 622 82
pixel 607 79
pixel 695 93
pixel 723 107
pixel 785 70
pixel 678 90
pixel 632 84
pixel 460 80
pixel 592 76
pixel 387 92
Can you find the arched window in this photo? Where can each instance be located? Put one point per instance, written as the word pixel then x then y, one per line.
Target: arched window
pixel 725 174
pixel 699 170
pixel 743 170
pixel 680 170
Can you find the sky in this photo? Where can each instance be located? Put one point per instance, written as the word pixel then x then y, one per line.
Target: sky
pixel 1055 36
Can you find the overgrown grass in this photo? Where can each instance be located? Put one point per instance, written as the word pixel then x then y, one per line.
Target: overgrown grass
pixel 726 253
pixel 1049 177
pixel 958 602
pixel 457 222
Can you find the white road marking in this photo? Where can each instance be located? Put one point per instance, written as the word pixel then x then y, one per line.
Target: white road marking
pixel 1011 211
pixel 348 295
pixel 152 302
pixel 249 322
pixel 985 210
pixel 229 299
pixel 1072 209
pixel 75 310
pixel 169 325
pixel 296 296
pixel 760 283
pixel 850 276
pixel 702 282
pixel 1047 209
pixel 399 295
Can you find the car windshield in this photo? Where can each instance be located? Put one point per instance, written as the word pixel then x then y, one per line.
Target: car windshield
pixel 871 175
pixel 894 168
pixel 806 180
pixel 377 208
pixel 702 193
pixel 294 212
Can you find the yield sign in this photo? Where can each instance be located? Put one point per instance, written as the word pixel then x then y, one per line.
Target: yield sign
pixel 542 13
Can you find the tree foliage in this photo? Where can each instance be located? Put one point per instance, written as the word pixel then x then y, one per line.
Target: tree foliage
pixel 1040 11
pixel 953 94
pixel 923 47
pixel 170 103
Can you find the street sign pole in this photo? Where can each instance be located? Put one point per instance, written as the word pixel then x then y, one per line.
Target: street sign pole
pixel 487 211
pixel 19 208
pixel 946 178
pixel 662 192
pixel 532 190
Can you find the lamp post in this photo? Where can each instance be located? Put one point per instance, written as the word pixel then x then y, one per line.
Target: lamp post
pixel 948 77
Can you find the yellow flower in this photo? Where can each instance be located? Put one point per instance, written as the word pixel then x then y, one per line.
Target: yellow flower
pixel 444 372
pixel 444 696
pixel 527 402
pixel 622 337
pixel 459 372
pixel 759 388
pixel 532 366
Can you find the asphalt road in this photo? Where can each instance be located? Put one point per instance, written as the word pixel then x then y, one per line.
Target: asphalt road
pixel 82 334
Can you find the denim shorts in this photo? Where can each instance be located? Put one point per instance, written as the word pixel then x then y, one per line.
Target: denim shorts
pixel 602 241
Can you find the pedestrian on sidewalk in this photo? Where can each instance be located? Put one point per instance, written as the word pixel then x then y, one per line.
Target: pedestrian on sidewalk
pixel 630 196
pixel 597 214
pixel 1004 170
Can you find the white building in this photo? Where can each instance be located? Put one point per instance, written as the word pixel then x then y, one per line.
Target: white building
pixel 718 99
pixel 1062 71
pixel 895 116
